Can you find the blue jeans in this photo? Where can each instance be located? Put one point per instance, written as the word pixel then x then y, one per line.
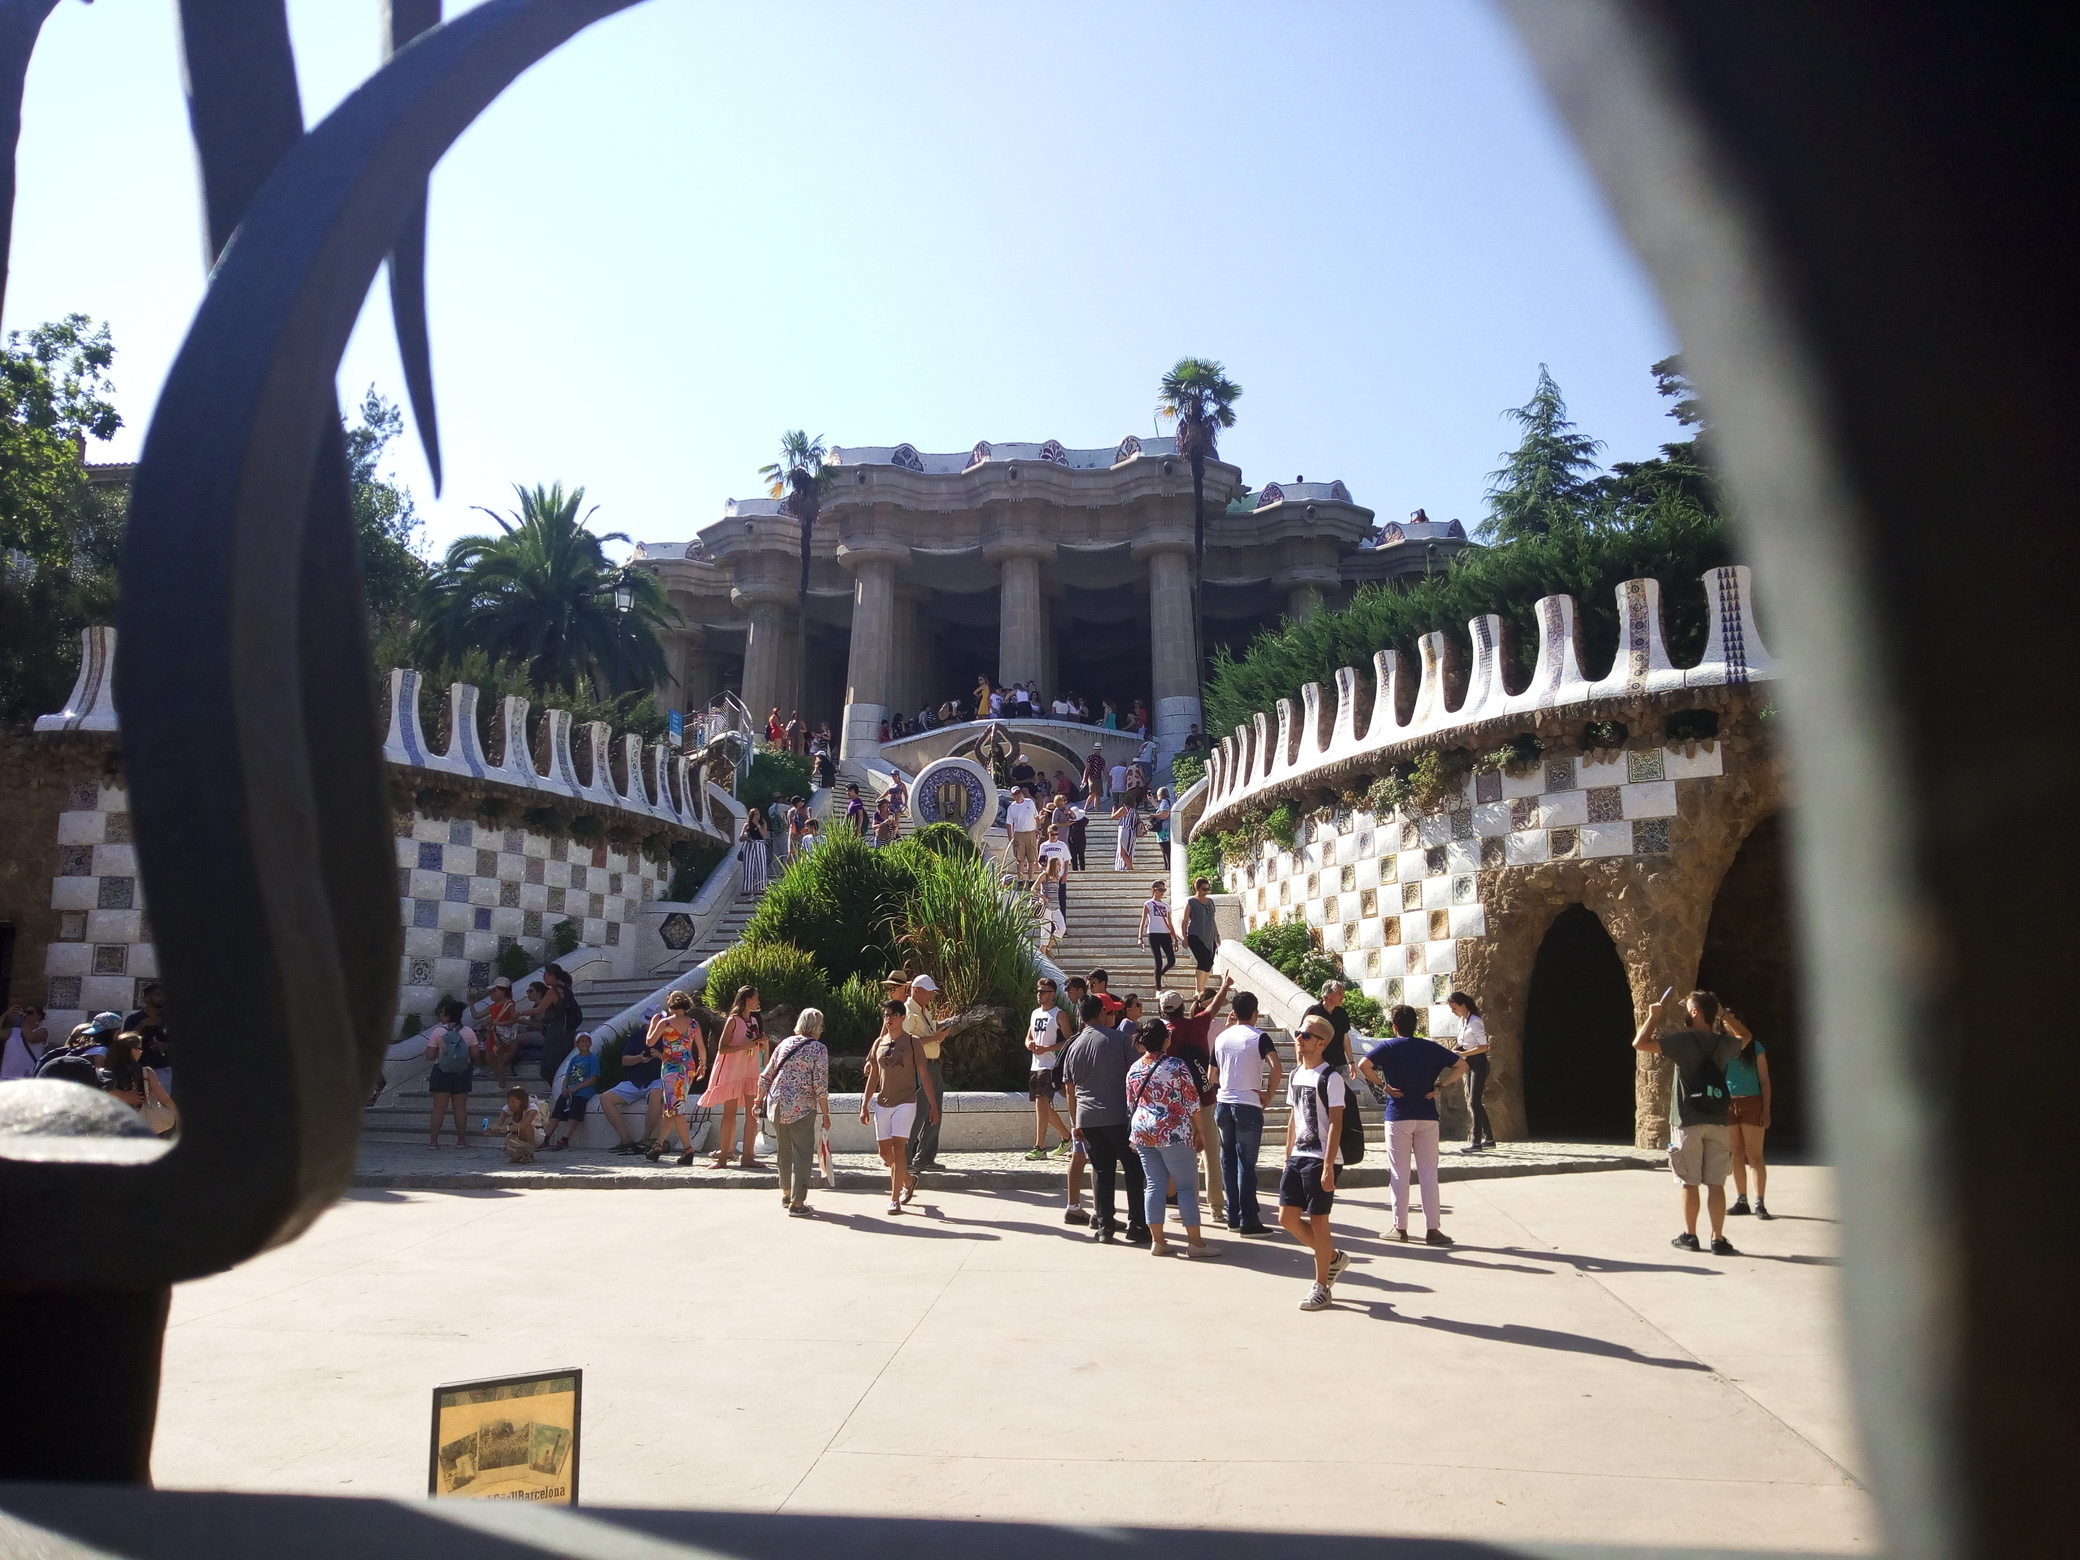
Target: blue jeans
pixel 1173 1165
pixel 1242 1138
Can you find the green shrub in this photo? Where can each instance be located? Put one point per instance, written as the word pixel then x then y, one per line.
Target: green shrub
pixel 1203 858
pixel 853 1016
pixel 941 839
pixel 515 962
pixel 1185 771
pixel 773 772
pixel 1315 971
pixel 787 980
pixel 1367 1016
pixel 841 902
pixel 1282 946
pixel 971 933
pixel 1282 824
pixel 986 1056
pixel 563 938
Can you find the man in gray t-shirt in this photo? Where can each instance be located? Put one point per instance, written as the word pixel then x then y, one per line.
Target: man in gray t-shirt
pixel 1096 1068
pixel 1700 1152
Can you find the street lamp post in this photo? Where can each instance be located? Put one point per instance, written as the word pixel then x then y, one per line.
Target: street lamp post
pixel 624 603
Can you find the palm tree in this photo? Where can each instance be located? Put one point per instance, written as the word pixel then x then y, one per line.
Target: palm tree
pixel 1200 398
pixel 798 475
pixel 545 595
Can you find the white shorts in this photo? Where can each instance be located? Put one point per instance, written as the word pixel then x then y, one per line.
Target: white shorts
pixel 893 1121
pixel 624 1090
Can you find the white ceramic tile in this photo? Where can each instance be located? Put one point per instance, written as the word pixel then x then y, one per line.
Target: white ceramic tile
pixel 535 896
pixel 1469 921
pixel 1368 872
pixel 1528 784
pixel 1435 829
pixel 115 798
pixel 1371 933
pixel 1376 988
pixel 113 926
pixel 422 942
pixel 115 861
pixel 1650 799
pixel 1441 958
pixel 1463 856
pixel 1413 868
pixel 68 958
pixel 144 962
pixel 1707 763
pixel 1563 809
pixel 456 917
pixel 1491 818
pixel 1606 839
pixel 1588 774
pixel 1332 937
pixel 537 846
pixel 1394 960
pixel 1525 847
pixel 82 828
pixel 107 993
pixel 73 893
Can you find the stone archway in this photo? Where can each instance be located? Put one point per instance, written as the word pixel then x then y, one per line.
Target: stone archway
pixel 1748 960
pixel 1578 1067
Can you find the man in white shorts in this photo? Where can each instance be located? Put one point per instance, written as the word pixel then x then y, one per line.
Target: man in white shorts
pixel 1700 1150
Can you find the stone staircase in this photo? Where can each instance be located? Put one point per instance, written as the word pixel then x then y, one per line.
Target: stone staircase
pixel 401 1115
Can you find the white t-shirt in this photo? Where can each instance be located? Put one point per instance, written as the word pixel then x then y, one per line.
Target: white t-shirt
pixel 1022 817
pixel 1045 1028
pixel 1242 1055
pixel 1054 850
pixel 996 704
pixel 1119 777
pixel 1061 708
pixel 1158 917
pixel 1310 1125
pixel 1473 1034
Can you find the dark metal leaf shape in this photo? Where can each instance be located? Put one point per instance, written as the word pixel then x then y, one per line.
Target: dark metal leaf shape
pixel 20 22
pixel 404 20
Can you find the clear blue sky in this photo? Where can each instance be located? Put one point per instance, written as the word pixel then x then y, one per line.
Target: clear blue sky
pixel 702 223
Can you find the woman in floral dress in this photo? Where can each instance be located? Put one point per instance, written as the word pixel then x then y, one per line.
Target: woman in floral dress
pixel 685 1059
pixel 1163 1094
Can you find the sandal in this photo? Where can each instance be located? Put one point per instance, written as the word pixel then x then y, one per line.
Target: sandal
pixel 685 1158
pixel 719 1162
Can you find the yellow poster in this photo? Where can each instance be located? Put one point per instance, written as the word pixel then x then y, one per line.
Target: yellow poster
pixel 513 1438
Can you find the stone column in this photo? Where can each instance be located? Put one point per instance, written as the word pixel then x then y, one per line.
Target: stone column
pixel 1304 568
pixel 768 650
pixel 1302 600
pixel 1021 627
pixel 1172 650
pixel 870 667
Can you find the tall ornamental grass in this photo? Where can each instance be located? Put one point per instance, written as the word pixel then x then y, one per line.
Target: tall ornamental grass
pixel 971 933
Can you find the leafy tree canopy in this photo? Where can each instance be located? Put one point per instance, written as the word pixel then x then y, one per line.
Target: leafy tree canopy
pixel 60 534
pixel 1199 397
pixel 385 519
pixel 542 594
pixel 1545 481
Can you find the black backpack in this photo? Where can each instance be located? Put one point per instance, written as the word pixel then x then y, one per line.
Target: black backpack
pixel 1351 1144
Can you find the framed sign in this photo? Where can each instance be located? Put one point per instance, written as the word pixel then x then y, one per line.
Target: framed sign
pixel 675 724
pixel 508 1438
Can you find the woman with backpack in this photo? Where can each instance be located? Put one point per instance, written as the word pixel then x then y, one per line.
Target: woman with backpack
pixel 1163 1094
pixel 453 1050
pixel 739 1057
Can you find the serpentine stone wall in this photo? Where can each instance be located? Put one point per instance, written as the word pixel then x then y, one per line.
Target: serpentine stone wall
pixel 487 854
pixel 1418 903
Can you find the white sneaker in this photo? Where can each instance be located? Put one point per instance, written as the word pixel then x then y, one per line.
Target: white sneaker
pixel 1317 1298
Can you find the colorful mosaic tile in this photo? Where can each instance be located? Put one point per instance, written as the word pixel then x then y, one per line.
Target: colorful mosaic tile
pixel 1643 765
pixel 1412 895
pixel 1559 774
pixel 1565 842
pixel 452 945
pixel 487 863
pixel 1523 812
pixel 401 825
pixel 72 926
pixel 75 861
pixel 82 795
pixel 1487 786
pixel 116 893
pixel 1650 836
pixel 531 923
pixel 1605 805
pixel 404 882
pixel 111 958
pixel 426 912
pixel 1368 903
pixel 1433 861
pixel 62 991
pixel 1372 961
pixel 460 832
pixel 115 828
pixel 480 972
pixel 536 870
pixel 1493 852
pixel 509 896
pixel 1411 835
pixel 1350 878
pixel 1364 845
pixel 480 918
pixel 457 891
pixel 1440 988
pixel 556 900
pixel 1314 886
pixel 1393 990
pixel 1390 931
pixel 1462 824
pixel 430 858
pixel 1464 891
pixel 419 973
pixel 1440 925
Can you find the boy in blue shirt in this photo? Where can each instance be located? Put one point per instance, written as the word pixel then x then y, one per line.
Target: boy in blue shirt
pixel 1410 1071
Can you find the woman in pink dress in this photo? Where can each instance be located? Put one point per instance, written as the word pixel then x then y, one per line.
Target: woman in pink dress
pixel 739 1057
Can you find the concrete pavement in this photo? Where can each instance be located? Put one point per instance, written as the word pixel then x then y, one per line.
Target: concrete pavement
pixel 1563 1374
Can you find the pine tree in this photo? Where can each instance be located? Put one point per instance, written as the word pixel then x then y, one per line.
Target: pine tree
pixel 1548 480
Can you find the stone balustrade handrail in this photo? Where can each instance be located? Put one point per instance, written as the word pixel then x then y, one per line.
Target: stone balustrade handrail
pixel 1275 753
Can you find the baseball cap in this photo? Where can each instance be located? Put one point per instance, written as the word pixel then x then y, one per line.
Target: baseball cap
pixel 106 1023
pixel 501 981
pixel 1173 1002
pixel 924 983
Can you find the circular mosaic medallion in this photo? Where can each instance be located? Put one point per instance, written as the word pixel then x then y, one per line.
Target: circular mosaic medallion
pixel 957 791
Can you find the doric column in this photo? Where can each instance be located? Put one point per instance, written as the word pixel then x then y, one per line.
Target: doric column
pixel 1172 651
pixel 1302 600
pixel 1304 569
pixel 1021 624
pixel 870 667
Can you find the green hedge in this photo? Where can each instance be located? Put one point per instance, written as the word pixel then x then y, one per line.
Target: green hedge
pixel 787 980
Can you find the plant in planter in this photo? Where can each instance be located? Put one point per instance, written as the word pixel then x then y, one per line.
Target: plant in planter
pixel 1601 738
pixel 1516 757
pixel 787 980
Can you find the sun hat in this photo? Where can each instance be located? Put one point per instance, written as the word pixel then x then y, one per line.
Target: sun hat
pixel 897 978
pixel 924 983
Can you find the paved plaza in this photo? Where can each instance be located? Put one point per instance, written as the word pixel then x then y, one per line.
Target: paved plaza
pixel 1563 1373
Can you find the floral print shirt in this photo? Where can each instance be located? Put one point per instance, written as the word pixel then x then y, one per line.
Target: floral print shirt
pixel 1164 1099
pixel 797 1079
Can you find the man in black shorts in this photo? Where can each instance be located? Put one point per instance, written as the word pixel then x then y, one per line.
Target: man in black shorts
pixel 1201 935
pixel 1307 1190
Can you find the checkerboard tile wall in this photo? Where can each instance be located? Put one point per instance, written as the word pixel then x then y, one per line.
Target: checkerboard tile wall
pixel 465 894
pixel 1397 899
